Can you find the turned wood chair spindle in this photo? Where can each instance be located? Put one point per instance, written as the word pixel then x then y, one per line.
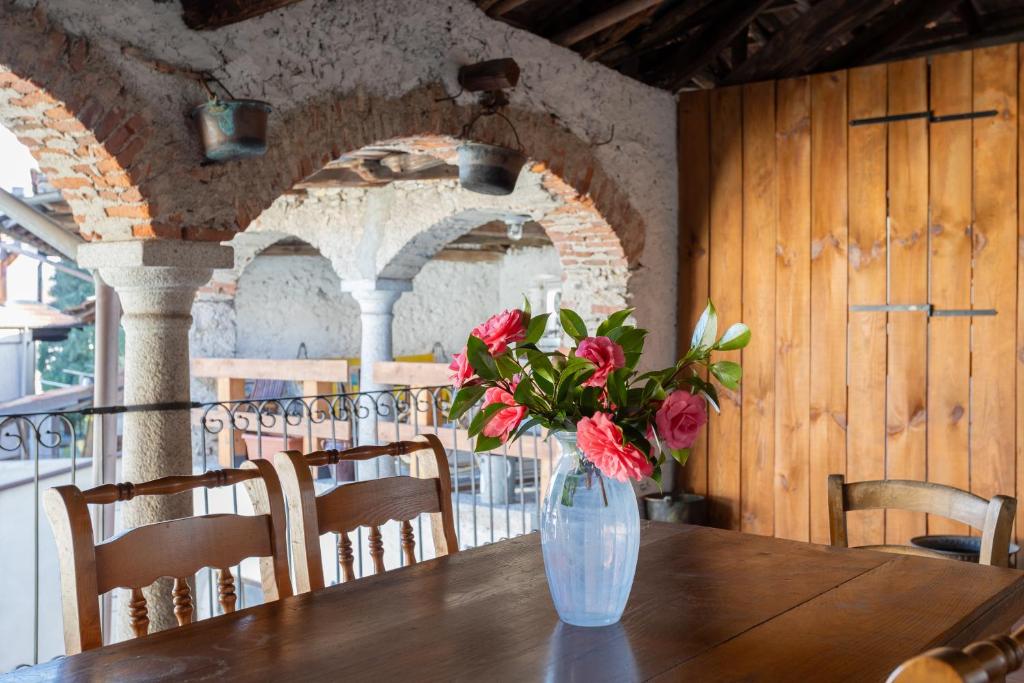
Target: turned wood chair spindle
pixel 993 518
pixel 368 504
pixel 176 549
pixel 986 661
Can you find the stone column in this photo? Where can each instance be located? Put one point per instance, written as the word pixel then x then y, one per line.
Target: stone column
pixel 376 300
pixel 156 282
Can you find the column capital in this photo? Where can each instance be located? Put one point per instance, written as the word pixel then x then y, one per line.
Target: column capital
pixel 377 285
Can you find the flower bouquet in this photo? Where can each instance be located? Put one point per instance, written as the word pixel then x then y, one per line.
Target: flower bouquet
pixel 612 422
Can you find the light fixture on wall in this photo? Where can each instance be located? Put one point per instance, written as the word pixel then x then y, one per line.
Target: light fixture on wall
pixel 514 226
pixel 485 168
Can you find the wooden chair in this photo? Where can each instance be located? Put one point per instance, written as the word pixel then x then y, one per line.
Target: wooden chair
pixel 986 661
pixel 177 548
pixel 365 504
pixel 994 518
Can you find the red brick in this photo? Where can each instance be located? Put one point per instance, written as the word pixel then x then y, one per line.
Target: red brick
pixel 33 99
pixel 107 125
pixel 128 211
pixel 77 52
pixel 68 126
pixel 155 231
pixel 108 166
pixel 117 178
pixel 58 113
pixel 127 155
pixel 70 183
pixel 208 234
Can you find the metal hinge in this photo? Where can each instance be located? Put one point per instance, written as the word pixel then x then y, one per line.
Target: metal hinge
pixel 932 118
pixel 922 308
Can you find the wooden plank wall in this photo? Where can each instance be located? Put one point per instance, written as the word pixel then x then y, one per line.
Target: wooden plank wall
pixel 789 216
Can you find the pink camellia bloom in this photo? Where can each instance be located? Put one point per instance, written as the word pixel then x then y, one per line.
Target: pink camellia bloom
pixel 462 371
pixel 601 441
pixel 680 418
pixel 603 353
pixel 504 422
pixel 502 329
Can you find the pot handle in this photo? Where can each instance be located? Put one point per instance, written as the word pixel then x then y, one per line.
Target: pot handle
pixel 468 128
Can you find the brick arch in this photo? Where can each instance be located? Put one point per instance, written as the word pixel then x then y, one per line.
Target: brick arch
pixel 596 230
pixel 65 101
pixel 307 138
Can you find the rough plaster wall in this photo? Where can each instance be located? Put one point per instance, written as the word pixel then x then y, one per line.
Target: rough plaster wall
pixel 283 301
pixel 521 269
pixel 448 299
pixel 388 48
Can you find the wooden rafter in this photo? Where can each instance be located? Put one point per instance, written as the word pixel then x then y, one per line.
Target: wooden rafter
pixel 598 22
pixel 201 15
pixel 693 55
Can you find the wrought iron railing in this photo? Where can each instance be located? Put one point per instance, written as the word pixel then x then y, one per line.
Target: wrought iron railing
pixel 495 495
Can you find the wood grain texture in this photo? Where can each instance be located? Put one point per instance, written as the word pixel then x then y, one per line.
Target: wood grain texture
pixel 726 269
pixel 949 243
pixel 995 253
pixel 760 215
pixel 743 608
pixel 906 415
pixel 828 300
pixel 792 323
pixel 694 250
pixel 867 272
pixel 993 361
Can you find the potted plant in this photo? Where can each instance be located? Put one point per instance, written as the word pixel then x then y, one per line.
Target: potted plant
pixel 614 424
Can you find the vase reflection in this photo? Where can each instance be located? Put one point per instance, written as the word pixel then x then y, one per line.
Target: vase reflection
pixel 590 654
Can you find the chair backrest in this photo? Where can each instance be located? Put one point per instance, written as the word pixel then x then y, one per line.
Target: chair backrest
pixel 368 503
pixel 986 661
pixel 993 518
pixel 177 548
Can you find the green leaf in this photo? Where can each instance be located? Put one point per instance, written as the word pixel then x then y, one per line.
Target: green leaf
pixel 535 330
pixel 617 387
pixel 736 337
pixel 728 373
pixel 615 320
pixel 486 443
pixel 656 475
pixel 681 455
pixel 632 339
pixel 573 324
pixel 465 399
pixel 524 427
pixel 526 305
pixel 541 366
pixel 481 419
pixel 507 367
pixel 480 358
pixel 707 328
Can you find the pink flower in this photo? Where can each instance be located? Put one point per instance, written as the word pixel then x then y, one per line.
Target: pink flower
pixel 601 441
pixel 503 422
pixel 501 330
pixel 605 354
pixel 462 371
pixel 680 418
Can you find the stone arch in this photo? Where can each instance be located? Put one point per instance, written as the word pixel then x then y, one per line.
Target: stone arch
pixel 67 103
pixel 310 136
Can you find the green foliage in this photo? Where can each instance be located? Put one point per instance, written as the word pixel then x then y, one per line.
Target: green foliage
pixel 553 385
pixel 75 352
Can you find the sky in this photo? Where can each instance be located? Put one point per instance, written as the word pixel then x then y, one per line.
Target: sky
pixel 15 166
pixel 15 163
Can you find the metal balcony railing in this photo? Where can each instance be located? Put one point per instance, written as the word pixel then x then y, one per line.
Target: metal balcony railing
pixel 495 495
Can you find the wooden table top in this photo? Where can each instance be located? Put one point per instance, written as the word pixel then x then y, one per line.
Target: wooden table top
pixel 707 605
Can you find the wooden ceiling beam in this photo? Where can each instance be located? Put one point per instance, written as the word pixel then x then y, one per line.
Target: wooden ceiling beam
pixel 504 6
pixel 204 15
pixel 598 22
pixel 696 53
pixel 670 28
pixel 805 37
pixel 887 32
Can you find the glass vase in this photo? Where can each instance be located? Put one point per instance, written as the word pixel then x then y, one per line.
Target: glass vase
pixel 590 537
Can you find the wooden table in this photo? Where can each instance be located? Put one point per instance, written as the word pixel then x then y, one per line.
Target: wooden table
pixel 707 605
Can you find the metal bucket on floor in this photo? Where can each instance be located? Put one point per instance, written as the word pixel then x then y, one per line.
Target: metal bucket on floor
pixel 682 508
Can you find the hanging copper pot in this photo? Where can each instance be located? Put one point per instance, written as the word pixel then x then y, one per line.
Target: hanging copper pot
pixel 489 169
pixel 232 129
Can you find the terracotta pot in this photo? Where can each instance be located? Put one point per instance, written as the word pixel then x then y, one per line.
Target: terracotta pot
pixel 232 129
pixel 489 169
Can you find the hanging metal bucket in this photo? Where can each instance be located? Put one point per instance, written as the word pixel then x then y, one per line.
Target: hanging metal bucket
pixel 232 129
pixel 489 169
